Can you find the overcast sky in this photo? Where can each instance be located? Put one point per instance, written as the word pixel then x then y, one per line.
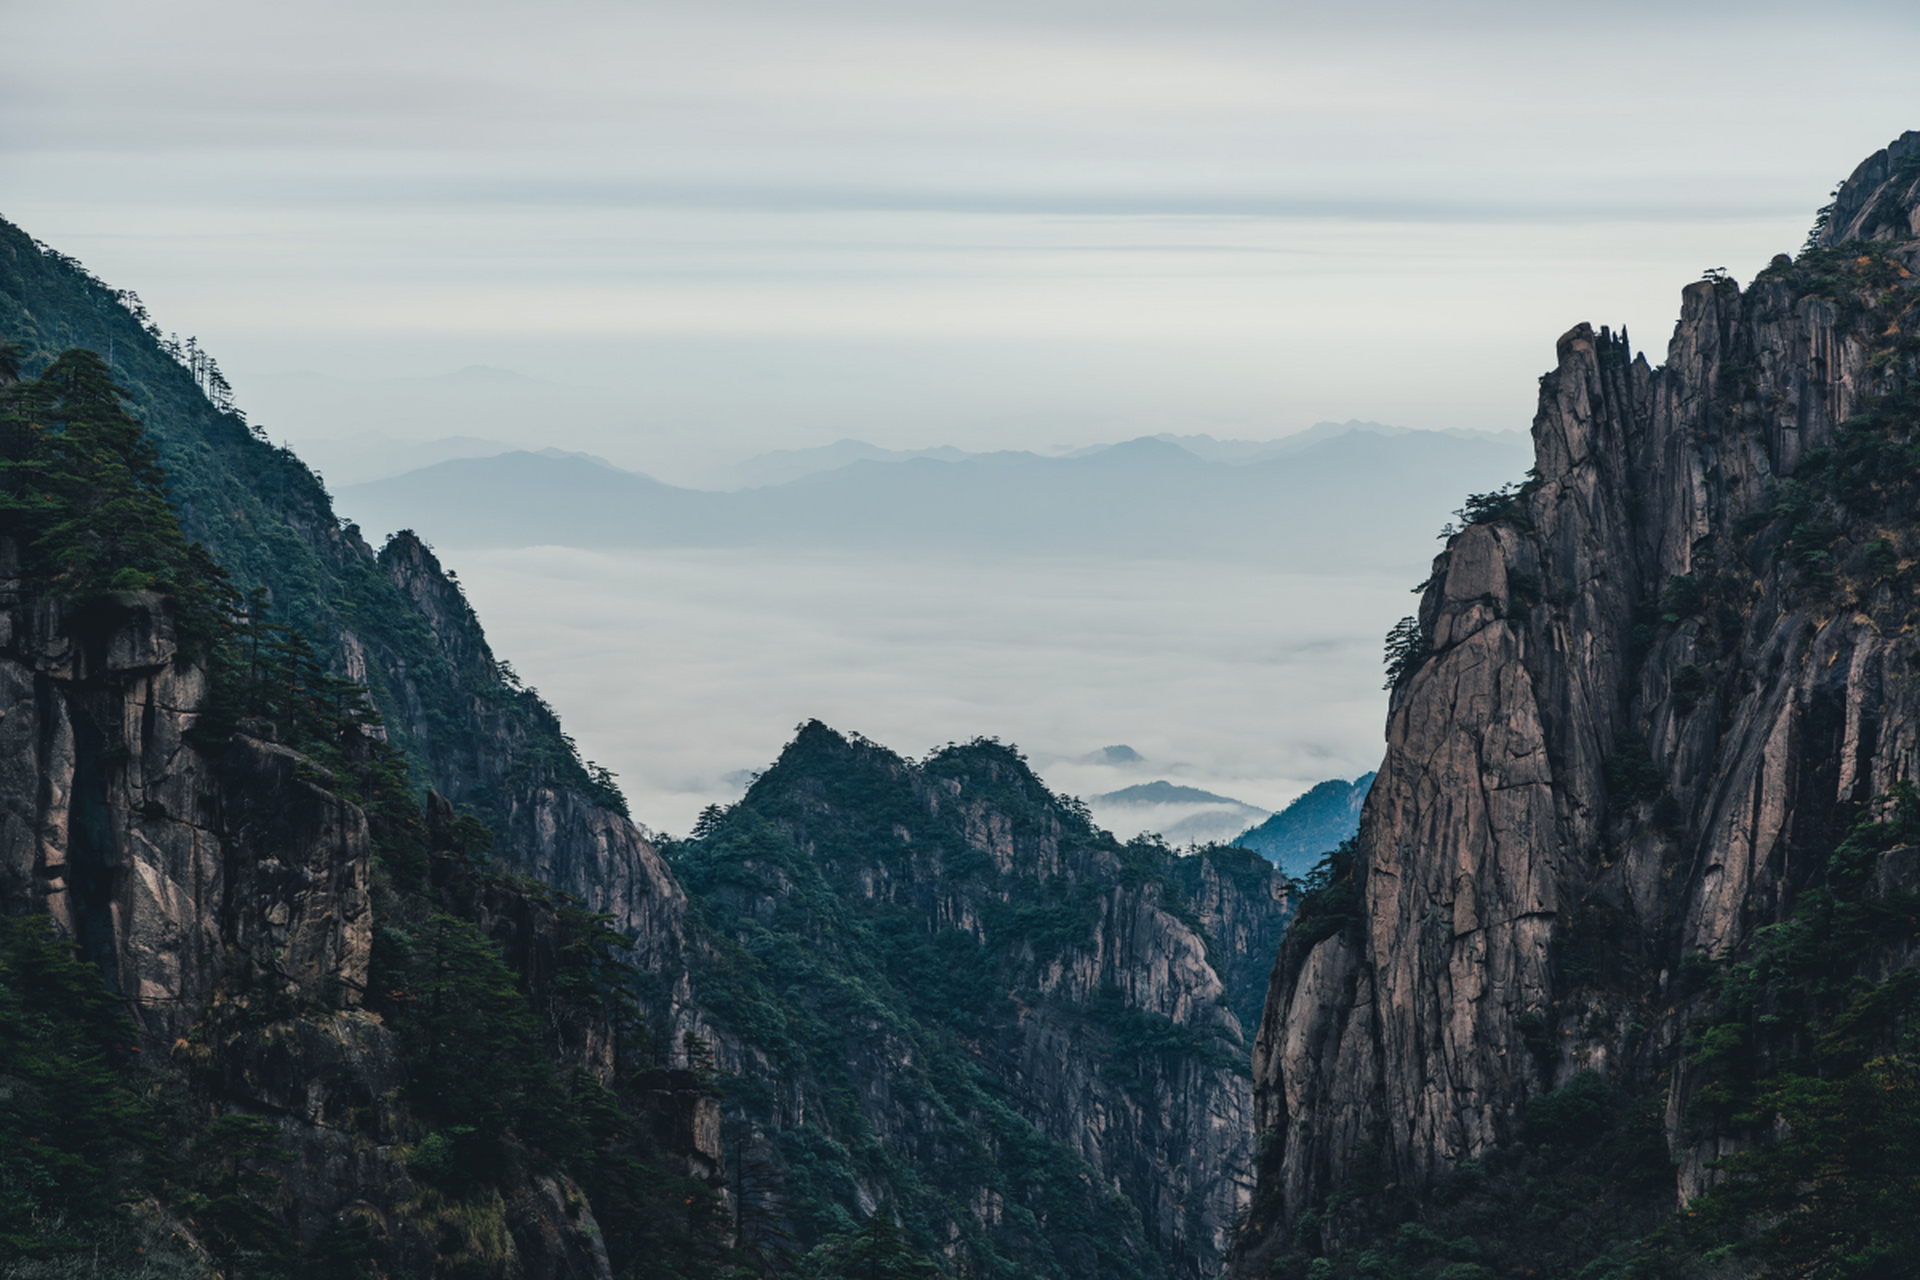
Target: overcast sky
pixel 980 223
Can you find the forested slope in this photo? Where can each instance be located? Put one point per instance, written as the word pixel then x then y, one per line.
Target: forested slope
pixel 938 984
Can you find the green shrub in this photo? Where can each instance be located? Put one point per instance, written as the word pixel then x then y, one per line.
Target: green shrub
pixel 70 1123
pixel 1574 1113
pixel 1631 775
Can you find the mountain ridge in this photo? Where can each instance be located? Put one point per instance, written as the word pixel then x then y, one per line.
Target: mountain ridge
pixel 1143 498
pixel 1312 825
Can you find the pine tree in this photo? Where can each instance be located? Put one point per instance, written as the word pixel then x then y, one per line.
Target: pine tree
pixel 81 489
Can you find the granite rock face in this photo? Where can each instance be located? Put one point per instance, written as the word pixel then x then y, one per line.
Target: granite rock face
pixel 225 897
pixel 1642 602
pixel 597 856
pixel 177 873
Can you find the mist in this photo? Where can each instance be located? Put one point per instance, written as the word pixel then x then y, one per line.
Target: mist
pixel 686 670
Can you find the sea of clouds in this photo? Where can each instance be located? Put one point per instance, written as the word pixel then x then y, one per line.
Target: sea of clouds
pixel 687 670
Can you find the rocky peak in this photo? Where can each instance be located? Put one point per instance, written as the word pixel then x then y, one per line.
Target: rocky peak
pixel 1653 684
pixel 413 567
pixel 953 910
pixel 1880 200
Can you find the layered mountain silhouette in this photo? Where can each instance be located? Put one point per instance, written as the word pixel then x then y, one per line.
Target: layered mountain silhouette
pixel 1357 498
pixel 1181 814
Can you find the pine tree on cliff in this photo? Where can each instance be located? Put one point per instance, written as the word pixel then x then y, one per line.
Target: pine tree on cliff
pixel 81 488
pixel 877 1251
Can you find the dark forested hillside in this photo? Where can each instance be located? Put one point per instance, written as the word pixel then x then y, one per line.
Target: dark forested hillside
pixel 938 987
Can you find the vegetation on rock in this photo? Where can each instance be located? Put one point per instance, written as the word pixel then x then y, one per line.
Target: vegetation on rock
pixel 882 958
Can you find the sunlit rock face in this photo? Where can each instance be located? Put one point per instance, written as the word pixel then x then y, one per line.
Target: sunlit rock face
pixel 1643 600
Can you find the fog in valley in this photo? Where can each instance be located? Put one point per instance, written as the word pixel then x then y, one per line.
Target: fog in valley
pixel 1221 620
pixel 685 670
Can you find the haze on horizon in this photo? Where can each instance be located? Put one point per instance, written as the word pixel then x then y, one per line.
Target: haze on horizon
pixel 702 231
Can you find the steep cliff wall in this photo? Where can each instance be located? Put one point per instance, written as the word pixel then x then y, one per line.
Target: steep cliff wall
pixel 1648 693
pixel 233 883
pixel 178 874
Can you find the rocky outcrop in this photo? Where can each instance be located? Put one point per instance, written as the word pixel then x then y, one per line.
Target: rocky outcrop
pixel 457 712
pixel 1243 909
pixel 603 860
pixel 1644 686
pixel 1879 201
pixel 225 898
pixel 178 873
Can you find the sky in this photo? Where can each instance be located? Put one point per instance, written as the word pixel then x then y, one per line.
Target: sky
pixel 702 230
pixel 929 222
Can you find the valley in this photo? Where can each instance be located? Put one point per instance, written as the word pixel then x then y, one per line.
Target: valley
pixel 330 954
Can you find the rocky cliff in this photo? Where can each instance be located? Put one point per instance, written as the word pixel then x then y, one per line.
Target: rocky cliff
pixel 226 894
pixel 179 874
pixel 1646 695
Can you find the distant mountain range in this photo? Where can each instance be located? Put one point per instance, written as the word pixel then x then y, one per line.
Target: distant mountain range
pixel 1355 497
pixel 1182 815
pixel 1245 451
pixel 782 466
pixel 1294 838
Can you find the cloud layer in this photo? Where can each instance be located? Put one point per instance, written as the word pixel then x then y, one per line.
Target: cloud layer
pixel 681 668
